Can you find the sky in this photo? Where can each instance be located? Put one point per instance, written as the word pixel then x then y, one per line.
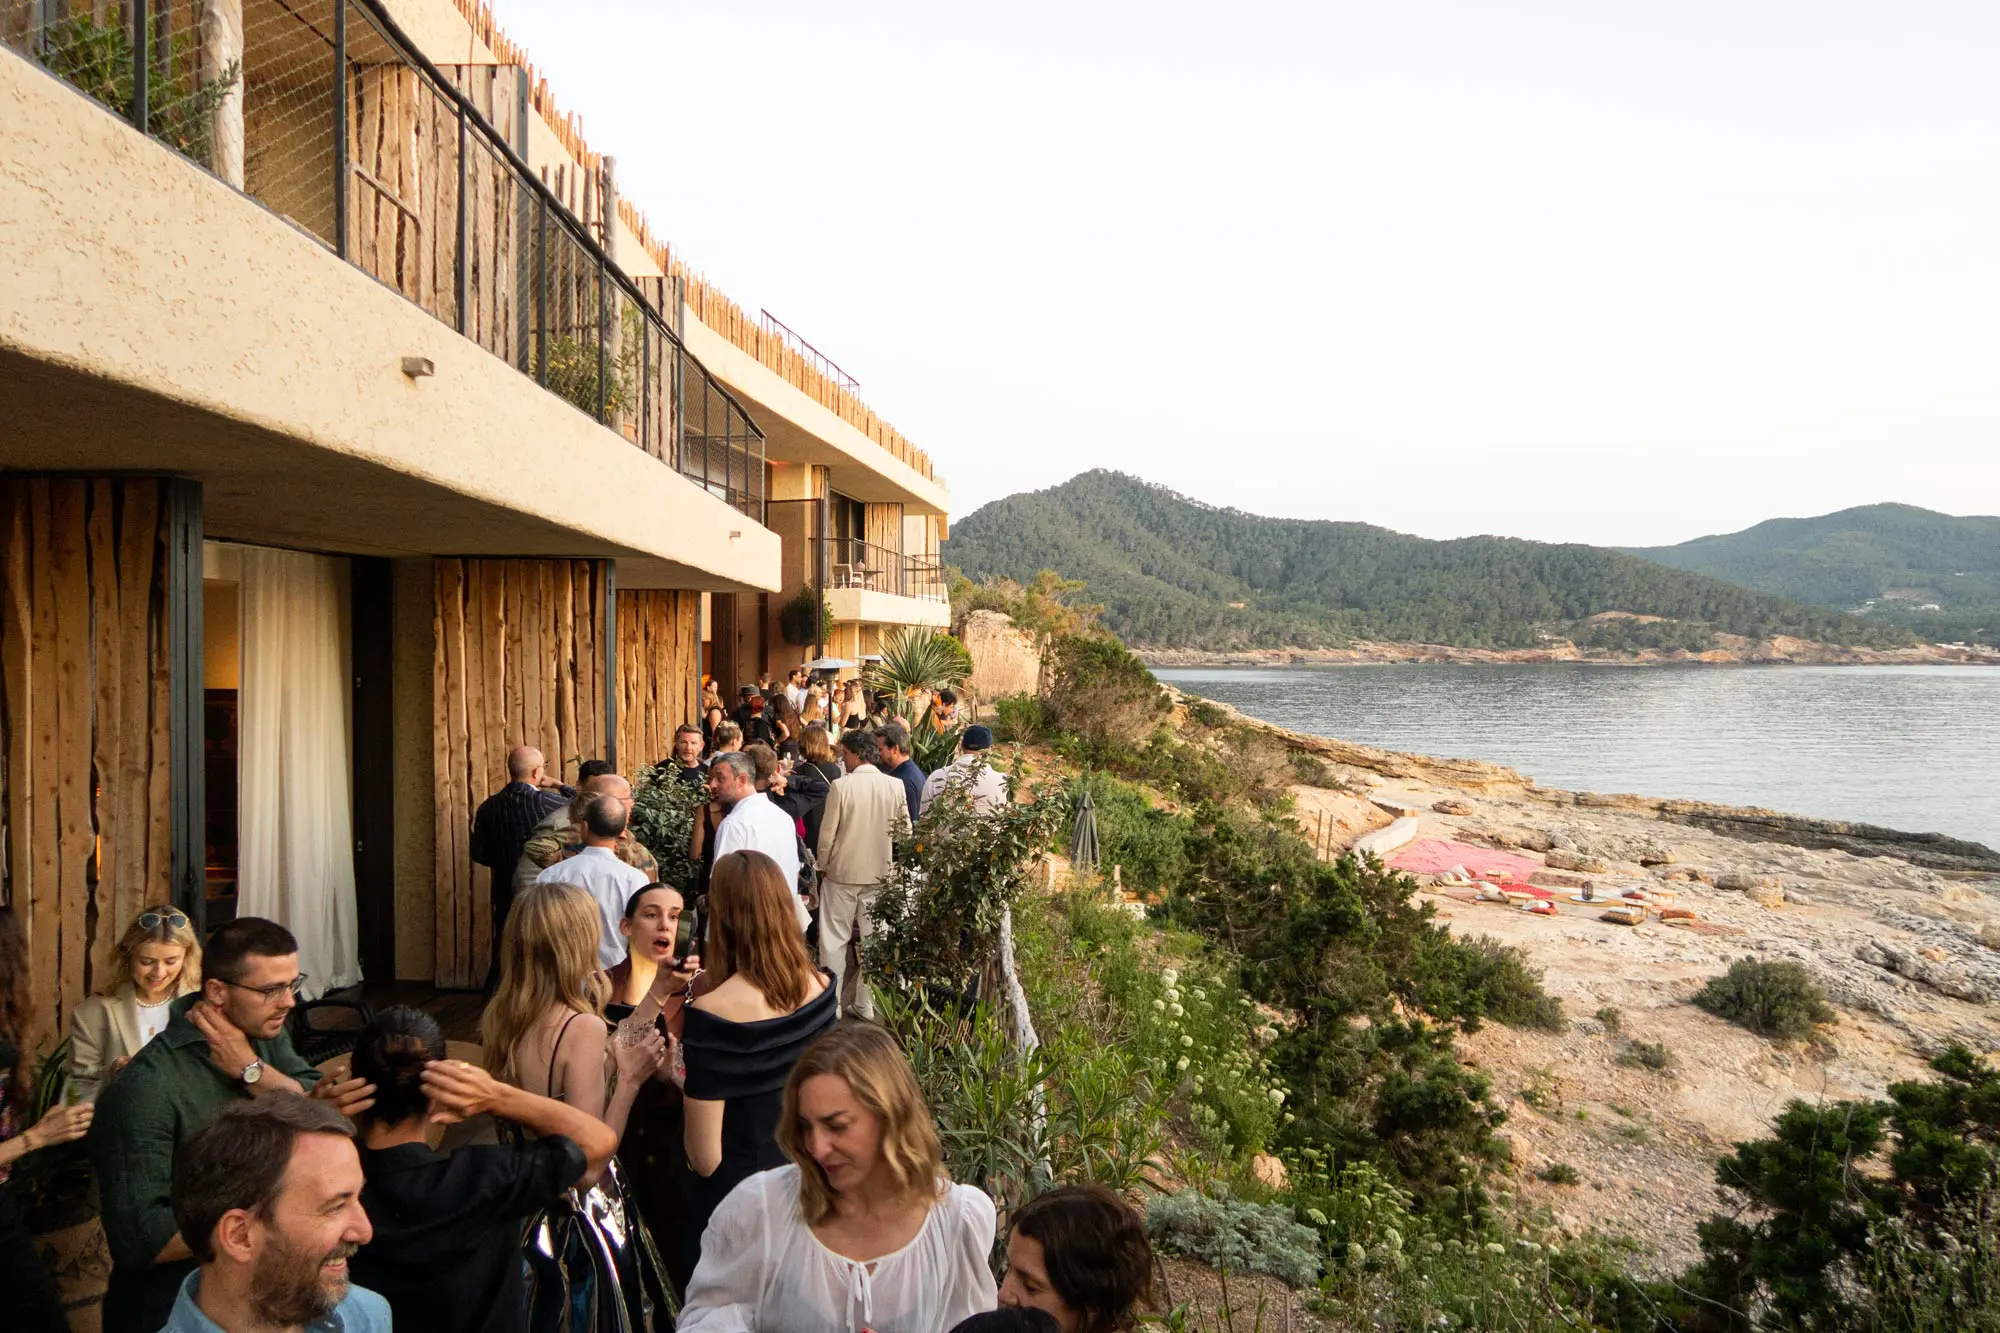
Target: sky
pixel 1592 271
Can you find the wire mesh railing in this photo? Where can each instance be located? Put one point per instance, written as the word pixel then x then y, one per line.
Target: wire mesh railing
pixel 325 113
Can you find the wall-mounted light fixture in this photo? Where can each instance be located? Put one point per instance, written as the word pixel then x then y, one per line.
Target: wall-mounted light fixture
pixel 419 367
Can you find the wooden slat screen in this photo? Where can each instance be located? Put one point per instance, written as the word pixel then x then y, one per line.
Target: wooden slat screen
pixel 519 661
pixel 84 799
pixel 659 672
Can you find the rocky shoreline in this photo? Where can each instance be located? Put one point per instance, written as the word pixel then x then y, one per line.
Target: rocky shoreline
pixel 1731 650
pixel 1901 931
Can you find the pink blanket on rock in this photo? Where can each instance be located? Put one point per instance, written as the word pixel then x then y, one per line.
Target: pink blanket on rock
pixel 1436 856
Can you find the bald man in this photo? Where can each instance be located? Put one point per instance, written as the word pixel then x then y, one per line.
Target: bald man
pixel 562 833
pixel 506 820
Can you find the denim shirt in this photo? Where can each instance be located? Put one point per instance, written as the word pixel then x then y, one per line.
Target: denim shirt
pixel 361 1311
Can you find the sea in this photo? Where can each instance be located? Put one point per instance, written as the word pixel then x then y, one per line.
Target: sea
pixel 1915 748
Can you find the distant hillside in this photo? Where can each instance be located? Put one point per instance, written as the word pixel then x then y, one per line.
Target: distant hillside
pixel 1175 573
pixel 1936 573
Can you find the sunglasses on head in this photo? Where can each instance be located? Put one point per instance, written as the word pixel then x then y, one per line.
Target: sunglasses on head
pixel 153 920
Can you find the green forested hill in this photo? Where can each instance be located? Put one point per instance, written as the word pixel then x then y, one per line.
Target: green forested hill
pixel 1172 572
pixel 1892 562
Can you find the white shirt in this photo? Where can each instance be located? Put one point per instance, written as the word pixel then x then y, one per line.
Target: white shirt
pixel 753 824
pixel 599 873
pixel 987 786
pixel 763 1271
pixel 152 1019
pixel 797 694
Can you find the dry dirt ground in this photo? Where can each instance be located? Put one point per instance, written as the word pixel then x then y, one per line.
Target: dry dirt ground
pixel 1897 948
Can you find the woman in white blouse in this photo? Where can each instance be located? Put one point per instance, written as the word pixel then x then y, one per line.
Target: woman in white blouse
pixel 157 961
pixel 862 1230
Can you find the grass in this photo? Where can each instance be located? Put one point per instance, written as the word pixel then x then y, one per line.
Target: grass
pixel 1561 1173
pixel 1651 1055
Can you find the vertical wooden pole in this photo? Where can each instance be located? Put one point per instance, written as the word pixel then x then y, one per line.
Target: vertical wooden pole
pixel 222 58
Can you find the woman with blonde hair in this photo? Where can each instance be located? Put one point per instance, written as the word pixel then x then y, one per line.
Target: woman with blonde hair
pixel 544 1028
pixel 862 1230
pixel 761 1003
pixel 157 961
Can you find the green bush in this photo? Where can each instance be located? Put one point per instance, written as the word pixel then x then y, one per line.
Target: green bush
pixel 1646 1055
pixel 1020 718
pixel 1611 1017
pixel 1776 1000
pixel 1206 713
pixel 663 811
pixel 1561 1173
pixel 1235 1236
pixel 1102 693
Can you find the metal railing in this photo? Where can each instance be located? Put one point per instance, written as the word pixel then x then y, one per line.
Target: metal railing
pixel 819 360
pixel 872 568
pixel 323 111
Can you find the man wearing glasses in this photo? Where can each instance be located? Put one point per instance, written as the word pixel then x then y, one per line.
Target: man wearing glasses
pixel 225 1043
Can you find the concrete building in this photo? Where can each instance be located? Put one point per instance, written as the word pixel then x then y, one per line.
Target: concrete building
pixel 356 431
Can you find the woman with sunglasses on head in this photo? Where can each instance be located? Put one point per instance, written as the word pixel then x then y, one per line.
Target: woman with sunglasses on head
pixel 158 960
pixel 862 1230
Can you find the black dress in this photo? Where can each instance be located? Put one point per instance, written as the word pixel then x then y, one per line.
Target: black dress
pixel 744 1066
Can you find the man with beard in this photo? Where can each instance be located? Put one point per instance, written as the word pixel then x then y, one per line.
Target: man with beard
pixel 268 1196
pixel 224 1044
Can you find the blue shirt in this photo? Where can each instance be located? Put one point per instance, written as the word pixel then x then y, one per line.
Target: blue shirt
pixel 913 786
pixel 361 1311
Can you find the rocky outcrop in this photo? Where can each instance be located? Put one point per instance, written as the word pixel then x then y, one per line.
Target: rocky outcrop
pixel 1005 659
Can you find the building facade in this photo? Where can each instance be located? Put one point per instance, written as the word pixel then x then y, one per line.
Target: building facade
pixel 358 431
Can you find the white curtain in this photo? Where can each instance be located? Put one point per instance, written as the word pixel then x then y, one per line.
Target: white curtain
pixel 296 829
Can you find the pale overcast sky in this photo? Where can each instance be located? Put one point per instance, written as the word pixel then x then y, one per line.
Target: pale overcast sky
pixel 1588 270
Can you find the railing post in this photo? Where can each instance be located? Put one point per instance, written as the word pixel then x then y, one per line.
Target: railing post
pixel 340 127
pixel 142 43
pixel 464 270
pixel 819 577
pixel 542 292
pixel 602 415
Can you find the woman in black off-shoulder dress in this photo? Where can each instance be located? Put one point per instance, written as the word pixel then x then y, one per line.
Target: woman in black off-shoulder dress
pixel 763 1003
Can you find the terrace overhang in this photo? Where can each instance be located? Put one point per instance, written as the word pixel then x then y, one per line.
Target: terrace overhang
pixel 799 430
pixel 155 320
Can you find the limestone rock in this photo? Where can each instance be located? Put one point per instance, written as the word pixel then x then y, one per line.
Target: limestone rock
pixel 1005 659
pixel 1270 1170
pixel 1651 854
pixel 1563 859
pixel 1765 895
pixel 1556 879
pixel 1989 934
pixel 1744 881
pixel 1452 806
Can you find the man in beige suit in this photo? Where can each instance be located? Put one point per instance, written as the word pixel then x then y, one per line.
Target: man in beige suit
pixel 865 812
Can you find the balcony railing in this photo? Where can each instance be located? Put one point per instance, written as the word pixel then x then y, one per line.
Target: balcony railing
pixel 872 568
pixel 325 113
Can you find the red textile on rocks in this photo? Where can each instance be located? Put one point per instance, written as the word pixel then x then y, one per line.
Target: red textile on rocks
pixel 1436 856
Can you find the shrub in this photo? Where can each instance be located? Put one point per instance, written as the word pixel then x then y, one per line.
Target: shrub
pixel 1020 718
pixel 663 810
pixel 1561 1173
pixel 1776 1000
pixel 1206 713
pixel 1235 1236
pixel 1611 1017
pixel 1646 1055
pixel 1098 690
pixel 1494 980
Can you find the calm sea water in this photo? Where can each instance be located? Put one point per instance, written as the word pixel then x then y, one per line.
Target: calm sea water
pixel 1913 748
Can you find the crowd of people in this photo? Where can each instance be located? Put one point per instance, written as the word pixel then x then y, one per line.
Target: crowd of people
pixel 677 1062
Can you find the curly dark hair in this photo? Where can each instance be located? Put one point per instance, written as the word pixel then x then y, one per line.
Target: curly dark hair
pixel 391 1054
pixel 17 1014
pixel 1095 1250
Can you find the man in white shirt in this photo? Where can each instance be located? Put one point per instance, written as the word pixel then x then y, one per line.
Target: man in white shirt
pixel 797 688
pixel 753 823
pixel 971 770
pixel 598 872
pixel 865 812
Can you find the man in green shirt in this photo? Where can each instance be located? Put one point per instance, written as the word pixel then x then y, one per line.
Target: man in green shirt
pixel 223 1044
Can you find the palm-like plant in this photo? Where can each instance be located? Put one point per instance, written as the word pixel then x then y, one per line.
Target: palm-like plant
pixel 917 663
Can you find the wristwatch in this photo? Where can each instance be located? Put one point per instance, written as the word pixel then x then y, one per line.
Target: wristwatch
pixel 252 1072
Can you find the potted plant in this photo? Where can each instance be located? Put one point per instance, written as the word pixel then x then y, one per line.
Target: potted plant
pixel 795 619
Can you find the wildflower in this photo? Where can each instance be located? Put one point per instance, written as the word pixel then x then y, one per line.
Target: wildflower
pixel 1181 1064
pixel 1357 1258
pixel 1316 1217
pixel 1160 1005
pixel 1200 994
pixel 1277 1096
pixel 1289 1117
pixel 1175 1010
pixel 1171 977
pixel 1186 1040
pixel 1495 1247
pixel 1173 994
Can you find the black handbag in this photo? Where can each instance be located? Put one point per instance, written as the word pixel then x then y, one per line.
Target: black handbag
pixel 592 1266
